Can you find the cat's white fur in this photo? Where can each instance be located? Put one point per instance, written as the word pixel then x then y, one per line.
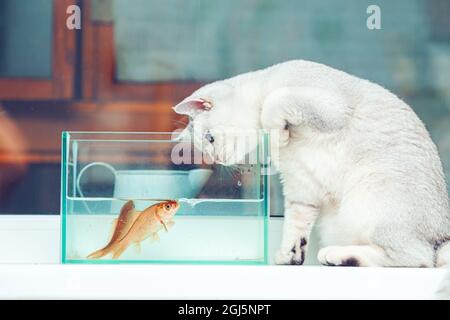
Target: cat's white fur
pixel 354 159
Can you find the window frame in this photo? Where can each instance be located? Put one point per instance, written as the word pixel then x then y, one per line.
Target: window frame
pixel 61 83
pixel 99 70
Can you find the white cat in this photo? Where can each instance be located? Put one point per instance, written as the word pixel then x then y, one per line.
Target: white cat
pixel 354 159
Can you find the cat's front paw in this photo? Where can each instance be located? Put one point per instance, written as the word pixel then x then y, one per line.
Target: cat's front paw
pixel 283 257
pixel 277 126
pixel 338 256
pixel 294 256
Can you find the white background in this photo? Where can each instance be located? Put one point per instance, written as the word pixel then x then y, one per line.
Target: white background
pixel 29 268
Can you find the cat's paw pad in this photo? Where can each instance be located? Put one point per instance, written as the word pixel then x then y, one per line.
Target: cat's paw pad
pixel 294 256
pixel 337 256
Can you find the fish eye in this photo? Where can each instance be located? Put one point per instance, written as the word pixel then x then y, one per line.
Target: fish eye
pixel 167 206
pixel 209 137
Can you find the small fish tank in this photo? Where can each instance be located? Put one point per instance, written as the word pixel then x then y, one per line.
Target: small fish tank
pixel 111 180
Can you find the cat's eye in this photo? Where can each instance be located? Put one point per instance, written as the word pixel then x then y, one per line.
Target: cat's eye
pixel 209 137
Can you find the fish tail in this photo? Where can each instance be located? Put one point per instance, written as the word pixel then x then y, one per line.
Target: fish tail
pixel 119 249
pixel 100 253
pixel 97 254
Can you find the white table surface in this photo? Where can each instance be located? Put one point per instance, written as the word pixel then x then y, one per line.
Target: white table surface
pixel 29 268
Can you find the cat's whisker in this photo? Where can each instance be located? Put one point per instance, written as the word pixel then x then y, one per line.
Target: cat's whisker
pixel 231 171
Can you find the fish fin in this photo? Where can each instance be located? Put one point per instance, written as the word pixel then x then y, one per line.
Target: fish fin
pixel 161 221
pixel 164 225
pixel 118 253
pixel 128 206
pixel 137 245
pixel 119 249
pixel 127 213
pixel 155 237
pixel 170 224
pixel 152 239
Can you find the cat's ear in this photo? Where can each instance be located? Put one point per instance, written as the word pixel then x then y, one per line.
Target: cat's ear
pixel 192 106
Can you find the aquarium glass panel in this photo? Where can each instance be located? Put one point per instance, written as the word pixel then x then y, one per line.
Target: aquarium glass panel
pixel 221 214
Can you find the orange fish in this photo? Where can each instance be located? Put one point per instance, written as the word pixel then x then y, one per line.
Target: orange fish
pixel 133 227
pixel 122 225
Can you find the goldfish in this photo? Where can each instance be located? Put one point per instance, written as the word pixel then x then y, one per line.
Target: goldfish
pixel 133 227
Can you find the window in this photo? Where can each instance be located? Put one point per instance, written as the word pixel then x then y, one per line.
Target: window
pixel 129 64
pixel 36 54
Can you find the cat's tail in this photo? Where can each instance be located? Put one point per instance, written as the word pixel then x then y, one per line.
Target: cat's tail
pixel 443 260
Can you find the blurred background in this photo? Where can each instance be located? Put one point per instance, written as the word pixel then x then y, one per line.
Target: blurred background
pixel 132 60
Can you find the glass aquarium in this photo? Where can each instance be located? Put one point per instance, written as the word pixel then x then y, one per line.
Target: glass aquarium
pixel 155 198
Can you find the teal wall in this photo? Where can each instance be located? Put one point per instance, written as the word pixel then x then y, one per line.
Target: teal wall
pixel 202 39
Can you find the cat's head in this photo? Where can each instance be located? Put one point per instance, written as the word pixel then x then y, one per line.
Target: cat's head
pixel 221 115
